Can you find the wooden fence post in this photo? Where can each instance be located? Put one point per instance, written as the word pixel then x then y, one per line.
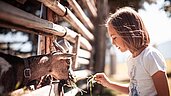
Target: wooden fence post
pixel 75 50
pixel 100 35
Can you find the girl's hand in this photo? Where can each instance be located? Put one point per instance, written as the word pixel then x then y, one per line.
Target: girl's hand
pixel 102 79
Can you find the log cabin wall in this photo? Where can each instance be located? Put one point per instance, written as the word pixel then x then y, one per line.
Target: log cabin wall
pixel 61 19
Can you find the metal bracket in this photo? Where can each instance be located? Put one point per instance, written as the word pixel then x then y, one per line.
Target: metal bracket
pixel 27 73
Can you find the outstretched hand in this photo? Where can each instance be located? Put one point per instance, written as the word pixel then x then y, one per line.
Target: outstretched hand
pixel 102 79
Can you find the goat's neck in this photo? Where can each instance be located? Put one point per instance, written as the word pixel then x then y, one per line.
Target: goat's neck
pixel 10 77
pixel 38 70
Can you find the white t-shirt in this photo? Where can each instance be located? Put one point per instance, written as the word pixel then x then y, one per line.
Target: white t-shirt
pixel 140 70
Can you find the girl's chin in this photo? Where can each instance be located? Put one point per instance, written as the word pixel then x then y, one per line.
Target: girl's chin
pixel 122 50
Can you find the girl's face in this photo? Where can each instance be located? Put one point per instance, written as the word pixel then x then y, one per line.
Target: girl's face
pixel 116 39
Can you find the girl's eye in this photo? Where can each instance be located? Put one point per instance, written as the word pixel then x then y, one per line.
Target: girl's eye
pixel 114 38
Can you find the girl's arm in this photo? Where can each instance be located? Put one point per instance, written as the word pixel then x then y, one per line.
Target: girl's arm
pixel 161 83
pixel 102 79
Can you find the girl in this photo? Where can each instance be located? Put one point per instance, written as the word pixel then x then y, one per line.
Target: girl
pixel 146 66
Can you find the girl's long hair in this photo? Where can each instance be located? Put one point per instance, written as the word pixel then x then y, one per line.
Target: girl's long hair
pixel 130 27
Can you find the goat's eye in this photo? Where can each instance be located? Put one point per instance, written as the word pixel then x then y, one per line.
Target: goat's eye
pixel 68 61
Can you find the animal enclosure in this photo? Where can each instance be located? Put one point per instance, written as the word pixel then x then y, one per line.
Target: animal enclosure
pixel 57 20
pixel 61 20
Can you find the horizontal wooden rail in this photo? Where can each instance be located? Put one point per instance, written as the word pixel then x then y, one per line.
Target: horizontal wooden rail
pixel 72 92
pixel 68 16
pixel 80 13
pixel 11 16
pixel 84 53
pixel 75 91
pixel 91 7
pixel 82 74
pixel 83 61
pixel 83 41
pixel 48 90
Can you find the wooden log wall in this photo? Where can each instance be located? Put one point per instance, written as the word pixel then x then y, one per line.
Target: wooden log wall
pixel 81 38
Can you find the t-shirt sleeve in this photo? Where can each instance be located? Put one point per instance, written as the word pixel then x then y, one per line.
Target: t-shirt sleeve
pixel 153 62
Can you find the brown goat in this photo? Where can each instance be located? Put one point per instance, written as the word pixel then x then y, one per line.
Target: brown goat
pixel 16 72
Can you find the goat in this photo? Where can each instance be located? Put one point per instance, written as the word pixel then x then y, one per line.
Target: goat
pixel 17 72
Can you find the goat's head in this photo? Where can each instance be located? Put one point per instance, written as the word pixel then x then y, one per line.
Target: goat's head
pixel 64 48
pixel 60 65
pixel 59 61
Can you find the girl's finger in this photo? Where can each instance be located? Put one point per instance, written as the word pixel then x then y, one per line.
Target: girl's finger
pixel 99 82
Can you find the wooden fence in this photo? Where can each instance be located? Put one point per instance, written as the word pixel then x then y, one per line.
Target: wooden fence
pixel 82 37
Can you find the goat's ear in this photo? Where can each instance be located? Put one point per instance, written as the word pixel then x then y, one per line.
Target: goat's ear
pixel 44 59
pixel 64 55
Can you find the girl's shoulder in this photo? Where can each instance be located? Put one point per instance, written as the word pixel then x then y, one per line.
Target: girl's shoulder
pixel 153 61
pixel 151 51
pixel 147 54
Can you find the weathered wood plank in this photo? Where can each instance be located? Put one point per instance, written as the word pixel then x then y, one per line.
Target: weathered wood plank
pixel 13 17
pixel 83 61
pixel 82 74
pixel 83 53
pixel 80 13
pixel 74 91
pixel 91 8
pixel 49 40
pixel 69 16
pixel 76 47
pixel 84 43
pixel 48 90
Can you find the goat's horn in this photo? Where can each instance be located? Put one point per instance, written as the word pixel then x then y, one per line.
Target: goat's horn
pixel 58 47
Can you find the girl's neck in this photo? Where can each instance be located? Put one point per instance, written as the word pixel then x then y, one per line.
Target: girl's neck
pixel 136 53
